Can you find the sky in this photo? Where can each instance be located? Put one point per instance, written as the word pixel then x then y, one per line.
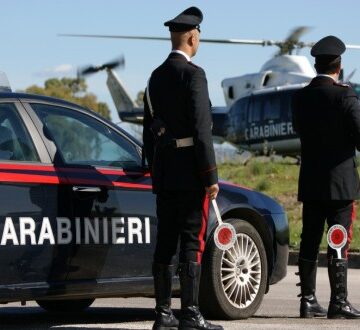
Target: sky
pixel 32 51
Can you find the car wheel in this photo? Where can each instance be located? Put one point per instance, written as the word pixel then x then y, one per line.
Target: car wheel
pixel 60 306
pixel 234 281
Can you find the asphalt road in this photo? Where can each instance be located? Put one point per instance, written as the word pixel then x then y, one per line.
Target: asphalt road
pixel 279 310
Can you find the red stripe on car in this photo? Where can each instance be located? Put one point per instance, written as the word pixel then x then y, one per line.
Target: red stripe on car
pixel 234 185
pixel 31 178
pixel 108 183
pixel 51 168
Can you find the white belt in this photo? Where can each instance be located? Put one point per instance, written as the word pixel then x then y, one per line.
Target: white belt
pixel 185 142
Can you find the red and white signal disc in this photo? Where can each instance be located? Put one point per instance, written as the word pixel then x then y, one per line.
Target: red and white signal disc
pixel 337 237
pixel 225 236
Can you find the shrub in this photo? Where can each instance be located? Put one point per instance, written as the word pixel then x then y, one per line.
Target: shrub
pixel 256 168
pixel 263 185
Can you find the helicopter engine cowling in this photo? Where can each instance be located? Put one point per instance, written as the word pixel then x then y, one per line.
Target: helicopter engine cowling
pixel 279 71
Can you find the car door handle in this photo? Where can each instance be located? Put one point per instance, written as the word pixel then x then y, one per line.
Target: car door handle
pixel 86 189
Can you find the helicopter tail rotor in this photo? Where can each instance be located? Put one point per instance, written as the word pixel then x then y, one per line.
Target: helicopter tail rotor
pixel 349 77
pixel 119 62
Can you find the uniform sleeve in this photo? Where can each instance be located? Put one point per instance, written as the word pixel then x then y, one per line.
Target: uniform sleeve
pixel 200 110
pixel 352 111
pixel 148 137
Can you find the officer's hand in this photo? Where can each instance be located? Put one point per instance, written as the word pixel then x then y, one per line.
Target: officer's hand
pixel 212 191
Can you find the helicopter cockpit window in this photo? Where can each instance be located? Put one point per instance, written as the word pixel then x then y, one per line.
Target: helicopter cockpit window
pixel 271 107
pixel 254 110
pixel 286 103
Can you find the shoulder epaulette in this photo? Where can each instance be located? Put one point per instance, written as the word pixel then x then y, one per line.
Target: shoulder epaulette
pixel 191 63
pixel 341 85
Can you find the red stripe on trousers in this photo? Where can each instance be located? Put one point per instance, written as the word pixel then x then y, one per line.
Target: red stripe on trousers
pixel 353 217
pixel 204 220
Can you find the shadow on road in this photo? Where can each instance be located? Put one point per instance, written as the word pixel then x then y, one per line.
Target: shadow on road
pixel 35 318
pixel 276 317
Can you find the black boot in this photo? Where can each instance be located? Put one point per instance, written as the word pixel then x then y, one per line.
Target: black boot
pixel 165 319
pixel 339 307
pixel 191 317
pixel 309 307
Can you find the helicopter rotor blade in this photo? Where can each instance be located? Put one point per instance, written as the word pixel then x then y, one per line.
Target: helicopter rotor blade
pixel 105 36
pixel 352 46
pixel 297 33
pixel 88 70
pixel 120 62
pixel 292 40
pixel 203 40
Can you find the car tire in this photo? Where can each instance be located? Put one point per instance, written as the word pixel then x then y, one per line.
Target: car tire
pixel 65 306
pixel 233 282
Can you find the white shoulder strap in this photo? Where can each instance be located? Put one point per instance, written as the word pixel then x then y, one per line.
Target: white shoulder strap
pixel 148 99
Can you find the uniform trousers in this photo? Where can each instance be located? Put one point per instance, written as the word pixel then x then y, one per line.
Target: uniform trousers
pixel 182 216
pixel 315 213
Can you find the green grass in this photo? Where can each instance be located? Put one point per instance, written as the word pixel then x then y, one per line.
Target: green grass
pixel 279 180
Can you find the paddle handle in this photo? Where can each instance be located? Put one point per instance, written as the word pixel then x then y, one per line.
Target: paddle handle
pixel 217 212
pixel 338 251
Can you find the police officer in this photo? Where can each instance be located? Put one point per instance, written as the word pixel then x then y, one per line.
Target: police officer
pixel 326 115
pixel 179 149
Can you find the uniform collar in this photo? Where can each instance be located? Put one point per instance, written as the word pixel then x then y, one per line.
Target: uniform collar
pixel 322 79
pixel 177 51
pixel 325 75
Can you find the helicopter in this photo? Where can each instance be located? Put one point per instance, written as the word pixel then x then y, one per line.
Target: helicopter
pixel 257 116
pixel 131 114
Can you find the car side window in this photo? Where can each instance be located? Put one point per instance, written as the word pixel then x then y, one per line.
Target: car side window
pixel 15 141
pixel 83 140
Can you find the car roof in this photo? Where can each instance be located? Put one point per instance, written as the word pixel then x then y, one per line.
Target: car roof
pixel 35 97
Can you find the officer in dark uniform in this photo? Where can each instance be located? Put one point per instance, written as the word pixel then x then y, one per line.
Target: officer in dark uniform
pixel 326 115
pixel 179 149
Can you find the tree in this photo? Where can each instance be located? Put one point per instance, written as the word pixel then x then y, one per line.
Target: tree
pixel 139 98
pixel 73 90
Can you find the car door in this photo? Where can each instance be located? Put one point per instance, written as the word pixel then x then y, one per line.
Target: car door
pixel 30 195
pixel 113 209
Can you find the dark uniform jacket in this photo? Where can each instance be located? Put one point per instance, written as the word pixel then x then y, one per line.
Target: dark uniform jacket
pixel 326 115
pixel 179 97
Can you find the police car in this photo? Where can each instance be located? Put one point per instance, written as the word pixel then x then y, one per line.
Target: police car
pixel 78 220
